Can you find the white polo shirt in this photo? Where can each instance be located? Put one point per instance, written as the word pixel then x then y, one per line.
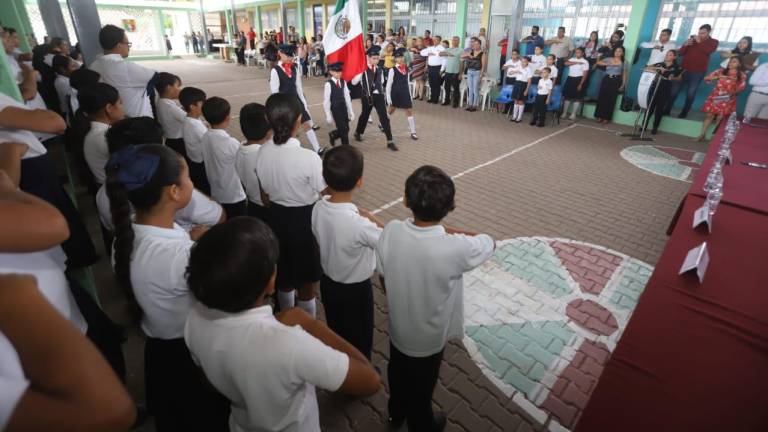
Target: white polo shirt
pixel 37 103
pixel 96 151
pixel 658 55
pixel 544 86
pixel 422 269
pixel 129 79
pixel 537 63
pixel 158 267
pixel 552 71
pixel 61 84
pixel 201 210
pixel 245 164
pixel 47 266
pixel 290 174
pixel 13 381
pixel 266 369
pixel 579 69
pixel 192 131
pixel 513 67
pixel 526 72
pixel 36 148
pixel 219 154
pixel 171 117
pixel 347 241
pixel 435 59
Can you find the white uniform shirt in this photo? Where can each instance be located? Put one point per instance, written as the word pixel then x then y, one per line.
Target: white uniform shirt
pixel 544 86
pixel 537 63
pixel 290 174
pixel 435 59
pixel 15 68
pixel 192 131
pixel 422 269
pixel 526 72
pixel 13 381
pixel 245 164
pixel 158 267
pixel 129 79
pixel 219 153
pixel 327 100
pixel 96 151
pixel 36 148
pixel 47 266
pixel 270 389
pixel 513 68
pixel 171 117
pixel 578 70
pixel 658 55
pixel 37 103
pixel 759 79
pixel 201 210
pixel 552 71
pixel 347 241
pixel 63 91
pixel 274 82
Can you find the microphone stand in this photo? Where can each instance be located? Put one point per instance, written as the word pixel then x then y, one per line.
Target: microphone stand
pixel 642 137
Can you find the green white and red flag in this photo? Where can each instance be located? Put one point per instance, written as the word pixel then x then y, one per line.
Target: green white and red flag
pixel 343 39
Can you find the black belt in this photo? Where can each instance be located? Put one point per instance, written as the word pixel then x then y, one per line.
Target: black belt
pixel 613 76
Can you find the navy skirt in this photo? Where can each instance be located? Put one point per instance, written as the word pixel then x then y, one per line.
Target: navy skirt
pixel 571 89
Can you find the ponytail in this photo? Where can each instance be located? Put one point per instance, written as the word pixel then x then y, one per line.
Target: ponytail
pixel 93 99
pixel 136 178
pixel 282 112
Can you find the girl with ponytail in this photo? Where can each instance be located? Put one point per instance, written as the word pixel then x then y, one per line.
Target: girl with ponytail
pixel 102 106
pixel 151 254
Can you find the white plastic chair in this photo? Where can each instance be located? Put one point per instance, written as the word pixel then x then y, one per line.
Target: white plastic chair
pixel 463 88
pixel 486 85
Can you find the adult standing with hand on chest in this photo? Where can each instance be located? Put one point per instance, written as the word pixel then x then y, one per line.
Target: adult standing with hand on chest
pixel 695 51
pixel 434 64
pixel 660 48
pixel 561 47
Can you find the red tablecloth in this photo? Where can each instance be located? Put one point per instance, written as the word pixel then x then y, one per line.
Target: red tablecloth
pixel 743 186
pixel 694 357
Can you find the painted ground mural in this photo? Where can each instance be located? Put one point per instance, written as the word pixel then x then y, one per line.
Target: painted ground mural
pixel 669 162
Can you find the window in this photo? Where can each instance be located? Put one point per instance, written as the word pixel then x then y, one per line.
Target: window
pixel 730 20
pixel 579 17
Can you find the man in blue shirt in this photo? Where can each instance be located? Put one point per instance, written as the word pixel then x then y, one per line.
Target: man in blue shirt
pixel 532 41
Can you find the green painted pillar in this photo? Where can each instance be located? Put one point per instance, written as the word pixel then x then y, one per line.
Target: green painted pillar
pixel 228 19
pixel 7 80
pixel 257 18
pixel 643 16
pixel 24 17
pixel 363 16
pixel 11 17
pixel 300 13
pixel 161 27
pixel 461 20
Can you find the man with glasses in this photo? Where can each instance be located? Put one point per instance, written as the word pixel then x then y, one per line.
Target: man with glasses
pixel 130 79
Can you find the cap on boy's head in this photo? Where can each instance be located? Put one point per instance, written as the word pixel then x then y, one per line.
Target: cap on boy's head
pixel 336 67
pixel 164 80
pixel 133 131
pixel 216 110
pixel 342 168
pixel 83 77
pixel 253 121
pixel 189 96
pixel 429 193
pixel 232 265
pixel 373 51
pixel 400 52
pixel 287 49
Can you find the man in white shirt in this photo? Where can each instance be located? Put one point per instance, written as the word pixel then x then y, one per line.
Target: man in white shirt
pixel 659 48
pixel 130 79
pixel 434 64
pixel 422 264
pixel 758 97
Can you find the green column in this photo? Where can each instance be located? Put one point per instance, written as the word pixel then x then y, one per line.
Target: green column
pixel 228 19
pixel 24 17
pixel 257 18
pixel 461 20
pixel 7 80
pixel 161 27
pixel 300 18
pixel 363 16
pixel 11 17
pixel 642 17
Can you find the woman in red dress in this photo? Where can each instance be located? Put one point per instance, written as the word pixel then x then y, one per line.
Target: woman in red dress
pixel 722 101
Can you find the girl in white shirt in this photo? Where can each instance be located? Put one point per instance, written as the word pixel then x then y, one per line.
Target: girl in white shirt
pixel 520 92
pixel 102 106
pixel 63 66
pixel 553 72
pixel 169 114
pixel 150 261
pixel 576 84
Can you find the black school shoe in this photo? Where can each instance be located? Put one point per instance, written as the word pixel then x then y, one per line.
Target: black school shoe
pixel 358 137
pixel 381 128
pixel 315 127
pixel 391 145
pixel 414 137
pixel 333 139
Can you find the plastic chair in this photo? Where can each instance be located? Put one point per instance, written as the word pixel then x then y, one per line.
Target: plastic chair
pixel 555 103
pixel 485 90
pixel 463 89
pixel 505 97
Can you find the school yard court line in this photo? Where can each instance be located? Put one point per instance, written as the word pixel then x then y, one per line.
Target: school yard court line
pixel 485 164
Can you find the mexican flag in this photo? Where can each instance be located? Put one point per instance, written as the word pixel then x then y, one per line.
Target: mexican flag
pixel 343 39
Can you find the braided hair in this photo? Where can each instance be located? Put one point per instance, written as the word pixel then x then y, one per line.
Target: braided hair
pixel 283 110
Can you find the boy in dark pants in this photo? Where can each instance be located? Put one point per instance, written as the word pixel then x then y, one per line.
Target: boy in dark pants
pixel 542 98
pixel 373 97
pixel 347 238
pixel 422 263
pixel 337 105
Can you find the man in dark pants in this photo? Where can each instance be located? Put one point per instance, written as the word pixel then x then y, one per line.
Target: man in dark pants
pixel 434 64
pixel 452 68
pixel 372 81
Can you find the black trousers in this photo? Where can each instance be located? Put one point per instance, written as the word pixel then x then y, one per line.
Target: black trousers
pixel 411 383
pixel 235 209
pixel 540 110
pixel 349 311
pixel 434 83
pixel 177 144
pixel 199 177
pixel 451 85
pixel 240 53
pixel 560 63
pixel 381 109
pixel 606 99
pixel 259 211
pixel 341 119
pixel 657 109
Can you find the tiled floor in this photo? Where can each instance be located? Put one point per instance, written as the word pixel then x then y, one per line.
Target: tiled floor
pixel 581 225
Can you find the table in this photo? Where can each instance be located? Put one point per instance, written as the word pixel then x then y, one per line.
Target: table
pixel 694 357
pixel 224 49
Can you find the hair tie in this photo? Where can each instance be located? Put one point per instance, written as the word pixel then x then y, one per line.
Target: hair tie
pixel 134 167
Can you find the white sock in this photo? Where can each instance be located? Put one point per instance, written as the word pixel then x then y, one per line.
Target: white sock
pixel 309 307
pixel 412 124
pixel 516 114
pixel 286 299
pixel 566 105
pixel 313 140
pixel 576 106
pixel 521 110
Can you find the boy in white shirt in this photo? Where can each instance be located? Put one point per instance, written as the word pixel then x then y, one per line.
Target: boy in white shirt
pixel 169 114
pixel 192 131
pixel 219 154
pixel 255 127
pixel 538 62
pixel 267 365
pixel 421 263
pixel 347 238
pixel 542 98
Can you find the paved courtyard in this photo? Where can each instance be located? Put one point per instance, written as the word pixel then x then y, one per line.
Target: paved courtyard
pixel 579 214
